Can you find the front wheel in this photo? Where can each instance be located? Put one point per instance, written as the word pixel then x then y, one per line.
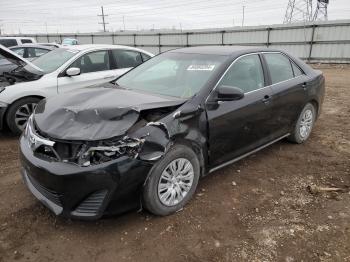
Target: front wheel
pixel 19 112
pixel 172 181
pixel 304 124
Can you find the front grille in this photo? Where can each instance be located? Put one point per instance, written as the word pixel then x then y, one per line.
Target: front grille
pixel 91 205
pixel 61 151
pixel 49 194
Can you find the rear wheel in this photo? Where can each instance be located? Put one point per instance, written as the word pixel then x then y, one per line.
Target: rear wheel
pixel 172 181
pixel 304 124
pixel 19 112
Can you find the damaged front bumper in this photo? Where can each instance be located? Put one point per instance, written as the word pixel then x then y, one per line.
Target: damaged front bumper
pixel 3 108
pixel 87 192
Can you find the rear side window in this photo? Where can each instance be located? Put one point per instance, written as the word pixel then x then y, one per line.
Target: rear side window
pixel 26 41
pixel 8 42
pixel 246 73
pixel 296 70
pixel 126 58
pixel 279 66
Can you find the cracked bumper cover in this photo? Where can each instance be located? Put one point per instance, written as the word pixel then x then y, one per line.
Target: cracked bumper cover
pixel 66 188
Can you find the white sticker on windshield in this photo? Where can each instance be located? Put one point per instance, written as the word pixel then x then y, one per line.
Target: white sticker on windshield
pixel 200 67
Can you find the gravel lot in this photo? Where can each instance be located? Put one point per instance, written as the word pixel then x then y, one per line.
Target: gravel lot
pixel 258 209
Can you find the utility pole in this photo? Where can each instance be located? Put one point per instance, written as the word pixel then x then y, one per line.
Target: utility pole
pixel 243 16
pixel 103 19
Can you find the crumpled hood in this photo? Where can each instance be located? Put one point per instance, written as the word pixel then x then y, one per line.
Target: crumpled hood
pixel 95 113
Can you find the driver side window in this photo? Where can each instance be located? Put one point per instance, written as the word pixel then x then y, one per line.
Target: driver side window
pixel 92 62
pixel 246 73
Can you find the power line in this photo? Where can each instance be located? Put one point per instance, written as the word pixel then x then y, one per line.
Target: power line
pixel 216 14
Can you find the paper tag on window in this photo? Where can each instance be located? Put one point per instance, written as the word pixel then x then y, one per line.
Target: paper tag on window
pixel 200 67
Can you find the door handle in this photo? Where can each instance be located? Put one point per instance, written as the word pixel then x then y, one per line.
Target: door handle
pixel 266 99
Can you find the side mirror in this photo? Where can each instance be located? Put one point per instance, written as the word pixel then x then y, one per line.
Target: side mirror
pixel 229 93
pixel 187 111
pixel 73 71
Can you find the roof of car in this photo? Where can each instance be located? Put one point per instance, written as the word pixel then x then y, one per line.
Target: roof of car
pixel 220 50
pixel 95 46
pixel 16 37
pixel 48 44
pixel 33 45
pixel 100 46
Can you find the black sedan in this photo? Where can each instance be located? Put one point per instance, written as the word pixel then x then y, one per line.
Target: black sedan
pixel 145 139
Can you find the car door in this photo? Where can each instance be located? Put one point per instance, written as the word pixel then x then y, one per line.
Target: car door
pixel 237 127
pixel 289 85
pixel 94 69
pixel 124 60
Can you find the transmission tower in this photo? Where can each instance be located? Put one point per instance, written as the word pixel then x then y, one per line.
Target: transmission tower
pixel 298 11
pixel 321 12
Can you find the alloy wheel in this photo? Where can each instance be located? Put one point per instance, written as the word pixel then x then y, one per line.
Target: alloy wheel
pixel 23 113
pixel 306 124
pixel 175 182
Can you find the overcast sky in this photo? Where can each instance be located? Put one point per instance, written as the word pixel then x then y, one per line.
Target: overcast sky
pixel 41 16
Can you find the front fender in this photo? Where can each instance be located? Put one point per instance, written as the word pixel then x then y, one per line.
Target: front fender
pixel 44 87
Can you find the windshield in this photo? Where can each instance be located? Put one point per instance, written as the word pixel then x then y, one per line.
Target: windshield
pixel 51 61
pixel 172 74
pixel 69 42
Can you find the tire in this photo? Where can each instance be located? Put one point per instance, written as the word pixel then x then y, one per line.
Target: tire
pixel 155 201
pixel 304 124
pixel 19 112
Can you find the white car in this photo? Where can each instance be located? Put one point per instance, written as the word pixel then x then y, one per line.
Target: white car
pixel 53 44
pixel 59 71
pixel 8 41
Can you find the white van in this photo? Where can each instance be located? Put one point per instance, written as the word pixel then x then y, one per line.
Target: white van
pixel 9 41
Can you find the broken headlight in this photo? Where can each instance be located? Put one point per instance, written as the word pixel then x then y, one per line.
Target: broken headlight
pixel 108 151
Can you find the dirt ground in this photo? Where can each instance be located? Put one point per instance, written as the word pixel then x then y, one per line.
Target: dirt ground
pixel 258 209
